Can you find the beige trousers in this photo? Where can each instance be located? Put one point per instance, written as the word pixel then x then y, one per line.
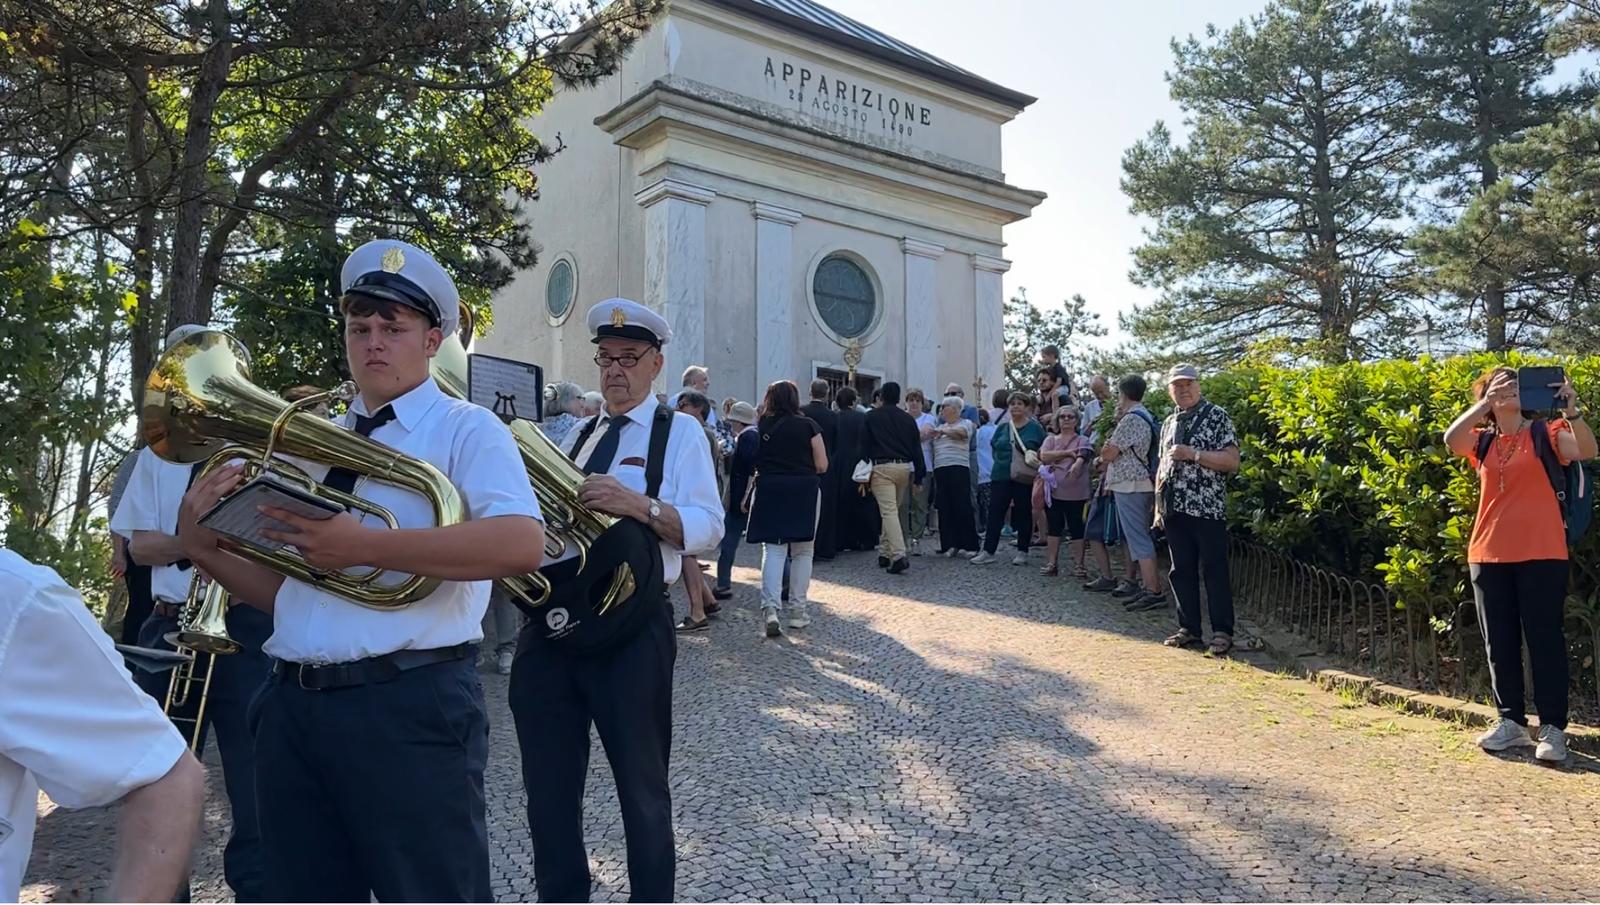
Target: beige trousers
pixel 890 486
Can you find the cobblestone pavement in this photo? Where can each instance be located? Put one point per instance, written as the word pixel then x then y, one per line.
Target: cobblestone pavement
pixel 965 732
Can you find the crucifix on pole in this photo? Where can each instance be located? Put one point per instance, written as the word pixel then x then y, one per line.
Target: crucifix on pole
pixel 978 386
pixel 852 358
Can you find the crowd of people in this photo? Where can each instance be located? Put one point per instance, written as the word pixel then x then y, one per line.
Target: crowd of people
pixel 1051 468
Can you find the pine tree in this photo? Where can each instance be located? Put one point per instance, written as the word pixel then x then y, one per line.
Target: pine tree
pixel 1282 215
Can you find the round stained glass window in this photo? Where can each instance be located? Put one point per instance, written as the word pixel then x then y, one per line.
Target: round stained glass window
pixel 558 289
pixel 845 296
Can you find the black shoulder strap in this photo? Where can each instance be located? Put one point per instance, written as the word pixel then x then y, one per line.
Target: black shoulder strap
pixel 583 437
pixel 1485 440
pixel 1552 464
pixel 656 460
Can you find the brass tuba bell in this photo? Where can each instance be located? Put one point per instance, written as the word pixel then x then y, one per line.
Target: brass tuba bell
pixel 199 405
pixel 556 482
pixel 203 622
pixel 203 635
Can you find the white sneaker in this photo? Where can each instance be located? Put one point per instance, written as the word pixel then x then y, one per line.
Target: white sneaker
pixel 1507 735
pixel 1021 559
pixel 796 616
pixel 1552 744
pixel 982 559
pixel 773 629
pixel 503 662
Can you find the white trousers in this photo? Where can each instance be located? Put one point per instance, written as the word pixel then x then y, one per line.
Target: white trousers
pixel 799 556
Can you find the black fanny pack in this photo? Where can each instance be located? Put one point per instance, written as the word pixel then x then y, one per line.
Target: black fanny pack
pixel 571 618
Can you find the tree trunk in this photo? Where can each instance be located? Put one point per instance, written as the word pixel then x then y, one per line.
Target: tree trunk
pixel 1494 294
pixel 331 260
pixel 189 304
pixel 90 444
pixel 146 319
pixel 1335 331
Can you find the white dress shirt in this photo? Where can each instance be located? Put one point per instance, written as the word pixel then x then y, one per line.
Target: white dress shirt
pixel 477 453
pixel 71 720
pixel 1091 413
pixel 150 503
pixel 688 479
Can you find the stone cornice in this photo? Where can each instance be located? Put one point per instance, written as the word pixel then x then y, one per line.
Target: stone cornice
pixel 991 264
pixel 672 188
pixel 765 211
pixel 920 248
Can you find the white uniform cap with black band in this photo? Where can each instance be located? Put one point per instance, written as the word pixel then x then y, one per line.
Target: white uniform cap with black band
pixel 625 319
pixel 402 273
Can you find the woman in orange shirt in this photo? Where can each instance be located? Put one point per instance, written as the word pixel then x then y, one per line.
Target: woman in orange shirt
pixel 1518 554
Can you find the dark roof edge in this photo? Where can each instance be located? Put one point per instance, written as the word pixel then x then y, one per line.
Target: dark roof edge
pixel 960 79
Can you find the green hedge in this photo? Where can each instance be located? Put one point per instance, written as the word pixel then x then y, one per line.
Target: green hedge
pixel 1345 467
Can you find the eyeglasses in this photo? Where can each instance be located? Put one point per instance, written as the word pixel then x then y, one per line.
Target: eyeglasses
pixel 627 361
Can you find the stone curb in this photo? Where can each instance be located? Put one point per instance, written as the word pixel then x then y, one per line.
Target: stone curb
pixel 1292 653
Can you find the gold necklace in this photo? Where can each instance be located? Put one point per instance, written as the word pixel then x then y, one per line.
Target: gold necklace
pixel 1504 453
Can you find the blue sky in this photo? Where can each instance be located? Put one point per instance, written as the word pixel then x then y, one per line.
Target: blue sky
pixel 1097 70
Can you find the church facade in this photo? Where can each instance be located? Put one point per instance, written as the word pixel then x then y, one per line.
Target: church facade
pixel 793 191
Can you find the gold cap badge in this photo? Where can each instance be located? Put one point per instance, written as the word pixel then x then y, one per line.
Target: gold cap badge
pixel 394 261
pixel 618 317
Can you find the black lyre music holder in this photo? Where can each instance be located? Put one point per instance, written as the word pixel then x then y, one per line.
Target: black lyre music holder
pixel 511 389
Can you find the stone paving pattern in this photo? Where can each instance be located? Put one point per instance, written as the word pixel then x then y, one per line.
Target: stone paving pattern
pixel 965 732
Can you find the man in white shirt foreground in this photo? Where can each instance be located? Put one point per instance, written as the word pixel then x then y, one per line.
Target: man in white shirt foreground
pixel 371 734
pixel 73 723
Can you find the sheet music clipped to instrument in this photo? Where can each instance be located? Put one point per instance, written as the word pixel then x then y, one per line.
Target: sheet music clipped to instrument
pixel 509 388
pixel 239 516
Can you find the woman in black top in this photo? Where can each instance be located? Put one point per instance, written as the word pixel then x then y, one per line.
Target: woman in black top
pixel 787 495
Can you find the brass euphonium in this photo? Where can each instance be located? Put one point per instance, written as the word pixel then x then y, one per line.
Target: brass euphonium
pixel 202 634
pixel 556 482
pixel 199 405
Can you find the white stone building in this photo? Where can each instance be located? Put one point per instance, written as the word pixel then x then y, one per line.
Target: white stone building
pixel 779 181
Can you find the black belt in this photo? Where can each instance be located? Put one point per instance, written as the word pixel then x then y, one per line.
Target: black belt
pixel 166 610
pixel 891 461
pixel 372 670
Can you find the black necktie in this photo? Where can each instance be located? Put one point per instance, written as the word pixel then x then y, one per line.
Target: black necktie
pixel 606 450
pixel 343 478
pixel 365 426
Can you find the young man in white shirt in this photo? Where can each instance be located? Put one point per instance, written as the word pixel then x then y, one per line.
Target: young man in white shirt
pixel 74 724
pixel 371 735
pixel 575 667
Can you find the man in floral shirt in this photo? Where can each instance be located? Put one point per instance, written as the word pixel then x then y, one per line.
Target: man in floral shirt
pixel 1199 451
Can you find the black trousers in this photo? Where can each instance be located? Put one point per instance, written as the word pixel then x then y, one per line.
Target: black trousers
pixel 952 487
pixel 626 693
pixel 1518 600
pixel 1018 497
pixel 375 790
pixel 239 676
pixel 1199 546
pixel 140 602
pixel 828 518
